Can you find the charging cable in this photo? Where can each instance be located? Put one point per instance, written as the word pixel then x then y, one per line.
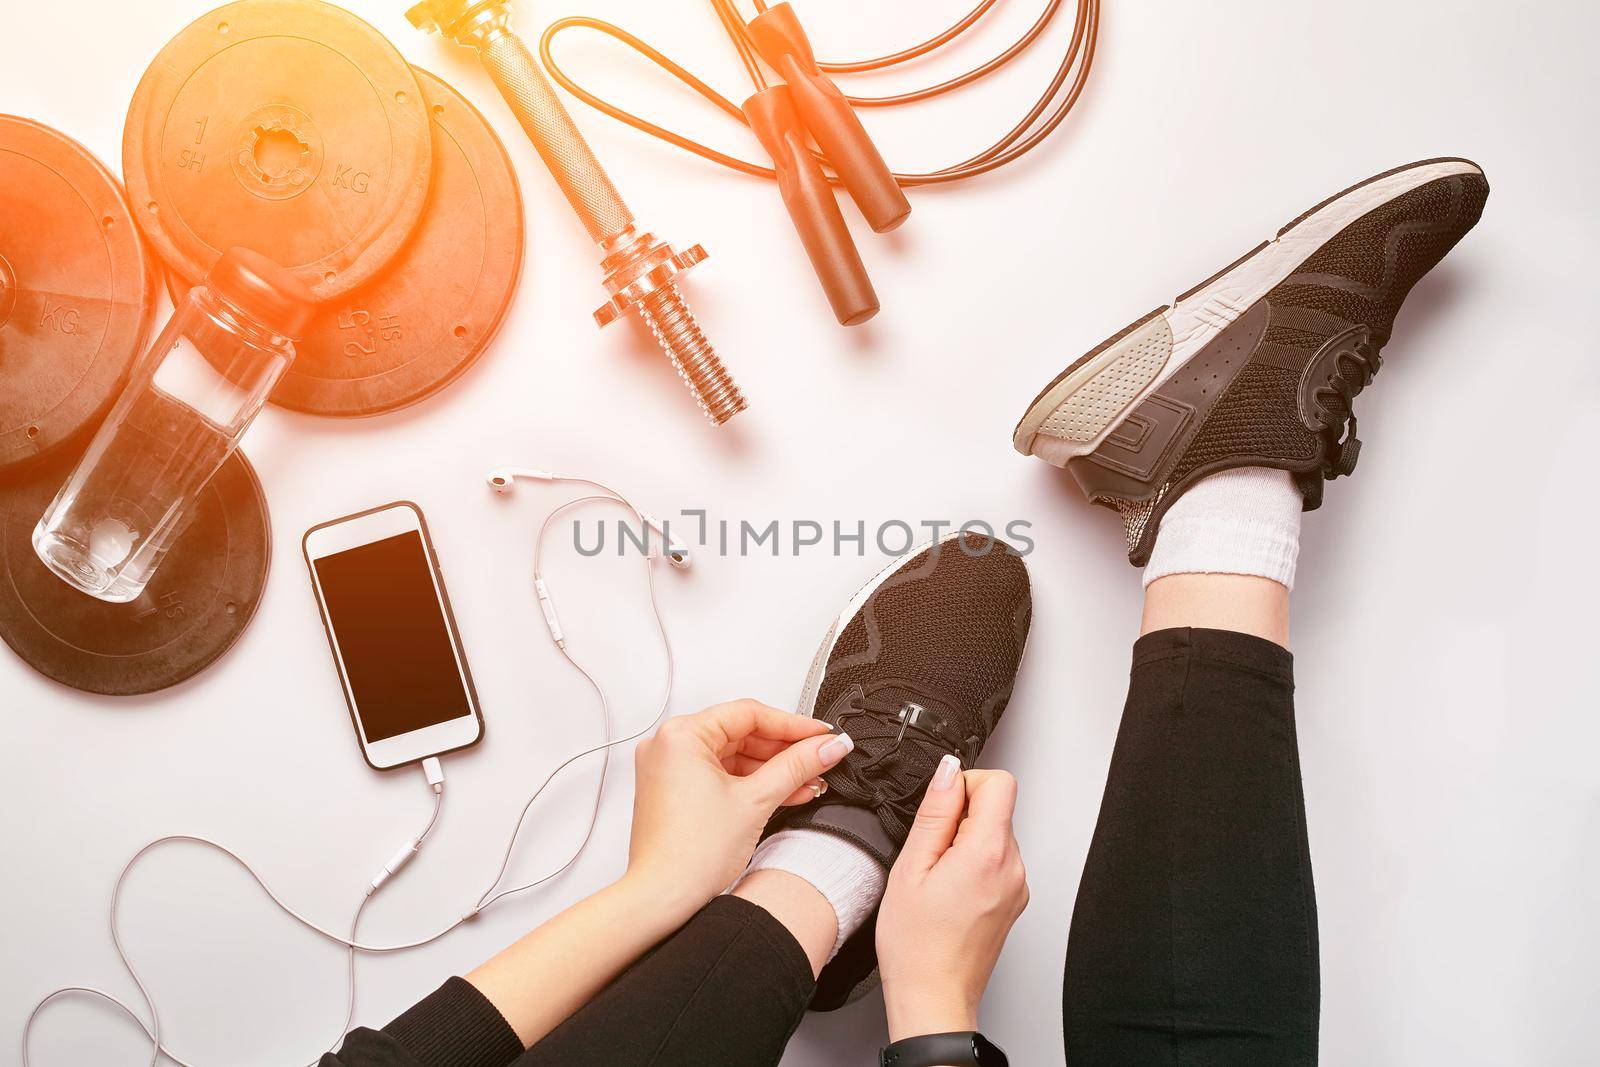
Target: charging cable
pixel 434 773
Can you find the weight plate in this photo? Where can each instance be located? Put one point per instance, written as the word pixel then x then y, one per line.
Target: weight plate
pixel 287 126
pixel 431 313
pixel 76 290
pixel 197 604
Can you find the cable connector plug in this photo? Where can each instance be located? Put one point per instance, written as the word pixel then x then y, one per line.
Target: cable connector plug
pixel 402 857
pixel 433 770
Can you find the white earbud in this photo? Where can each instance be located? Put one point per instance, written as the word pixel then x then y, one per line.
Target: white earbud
pixel 503 479
pixel 677 555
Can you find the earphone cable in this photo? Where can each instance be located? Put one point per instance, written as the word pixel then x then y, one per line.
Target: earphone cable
pixel 152 1030
pixel 612 496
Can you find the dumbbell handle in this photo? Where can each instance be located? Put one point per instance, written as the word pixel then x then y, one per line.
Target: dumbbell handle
pixel 641 272
pixel 548 124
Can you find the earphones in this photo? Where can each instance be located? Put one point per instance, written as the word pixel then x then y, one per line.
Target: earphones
pixel 502 481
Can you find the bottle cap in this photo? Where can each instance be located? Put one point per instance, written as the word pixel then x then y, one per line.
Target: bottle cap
pixel 270 294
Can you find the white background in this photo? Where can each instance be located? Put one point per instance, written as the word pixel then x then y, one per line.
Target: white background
pixel 1443 621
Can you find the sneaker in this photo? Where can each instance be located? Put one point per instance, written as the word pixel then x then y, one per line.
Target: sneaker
pixel 919 664
pixel 1258 365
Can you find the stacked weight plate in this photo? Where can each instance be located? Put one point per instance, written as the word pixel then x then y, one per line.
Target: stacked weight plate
pixel 77 293
pixel 287 126
pixel 294 128
pixel 290 127
pixel 199 602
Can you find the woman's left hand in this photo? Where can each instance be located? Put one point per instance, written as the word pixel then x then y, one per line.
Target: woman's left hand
pixel 707 784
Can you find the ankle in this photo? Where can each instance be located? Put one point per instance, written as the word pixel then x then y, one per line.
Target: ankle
pixel 798 906
pixel 1244 603
pixel 845 876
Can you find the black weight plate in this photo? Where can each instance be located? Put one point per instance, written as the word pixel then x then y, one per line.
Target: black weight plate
pixel 77 290
pixel 198 603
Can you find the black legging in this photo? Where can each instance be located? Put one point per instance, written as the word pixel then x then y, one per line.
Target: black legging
pixel 1194 940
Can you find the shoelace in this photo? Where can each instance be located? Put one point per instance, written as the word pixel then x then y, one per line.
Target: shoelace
pixel 1353 370
pixel 902 736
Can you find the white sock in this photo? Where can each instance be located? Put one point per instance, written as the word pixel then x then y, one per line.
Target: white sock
pixel 1240 521
pixel 850 879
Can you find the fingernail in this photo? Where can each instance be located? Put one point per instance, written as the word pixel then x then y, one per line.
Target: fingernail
pixel 837 748
pixel 949 767
pixel 818 788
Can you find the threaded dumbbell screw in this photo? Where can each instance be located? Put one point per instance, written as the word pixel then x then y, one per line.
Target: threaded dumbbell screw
pixel 678 333
pixel 642 273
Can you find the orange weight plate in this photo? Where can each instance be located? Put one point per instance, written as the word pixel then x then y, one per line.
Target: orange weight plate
pixel 76 290
pixel 195 608
pixel 431 313
pixel 287 126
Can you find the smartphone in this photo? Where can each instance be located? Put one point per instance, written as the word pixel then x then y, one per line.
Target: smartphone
pixel 393 636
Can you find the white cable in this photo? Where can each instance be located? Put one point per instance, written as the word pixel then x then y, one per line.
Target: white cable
pixel 605 707
pixel 152 1030
pixel 435 778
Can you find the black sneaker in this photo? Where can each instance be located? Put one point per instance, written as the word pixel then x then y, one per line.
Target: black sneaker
pixel 919 664
pixel 1258 365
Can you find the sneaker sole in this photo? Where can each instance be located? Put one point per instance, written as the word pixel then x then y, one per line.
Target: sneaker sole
pixel 1087 400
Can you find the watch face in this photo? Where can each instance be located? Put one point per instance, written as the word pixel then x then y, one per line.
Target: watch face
pixel 987 1053
pixel 968 1049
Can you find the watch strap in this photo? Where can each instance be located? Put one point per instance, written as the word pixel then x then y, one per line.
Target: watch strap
pixel 965 1049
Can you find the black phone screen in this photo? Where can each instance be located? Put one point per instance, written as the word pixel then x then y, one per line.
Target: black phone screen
pixel 396 646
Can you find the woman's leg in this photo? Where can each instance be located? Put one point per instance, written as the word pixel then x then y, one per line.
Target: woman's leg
pixel 1194 938
pixel 727 990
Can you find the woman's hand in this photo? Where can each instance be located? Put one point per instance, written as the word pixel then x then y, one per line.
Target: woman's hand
pixel 953 894
pixel 707 783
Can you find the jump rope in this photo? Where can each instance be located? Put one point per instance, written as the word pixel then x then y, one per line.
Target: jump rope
pixel 501 481
pixel 815 138
pixel 1037 123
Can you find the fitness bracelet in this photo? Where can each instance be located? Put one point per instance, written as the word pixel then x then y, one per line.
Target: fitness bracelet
pixel 966 1049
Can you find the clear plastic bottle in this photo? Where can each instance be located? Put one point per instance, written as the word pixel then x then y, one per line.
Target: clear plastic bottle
pixel 188 402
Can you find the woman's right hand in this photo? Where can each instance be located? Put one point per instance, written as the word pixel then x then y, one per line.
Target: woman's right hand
pixel 952 897
pixel 707 784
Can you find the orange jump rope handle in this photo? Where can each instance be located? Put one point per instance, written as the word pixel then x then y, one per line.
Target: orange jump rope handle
pixel 830 118
pixel 812 206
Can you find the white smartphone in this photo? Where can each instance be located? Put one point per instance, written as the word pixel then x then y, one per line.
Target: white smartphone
pixel 393 636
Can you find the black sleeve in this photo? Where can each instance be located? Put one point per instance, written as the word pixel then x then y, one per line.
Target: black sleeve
pixel 455 1026
pixel 727 990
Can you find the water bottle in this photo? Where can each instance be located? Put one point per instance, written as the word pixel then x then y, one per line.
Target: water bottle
pixel 187 404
